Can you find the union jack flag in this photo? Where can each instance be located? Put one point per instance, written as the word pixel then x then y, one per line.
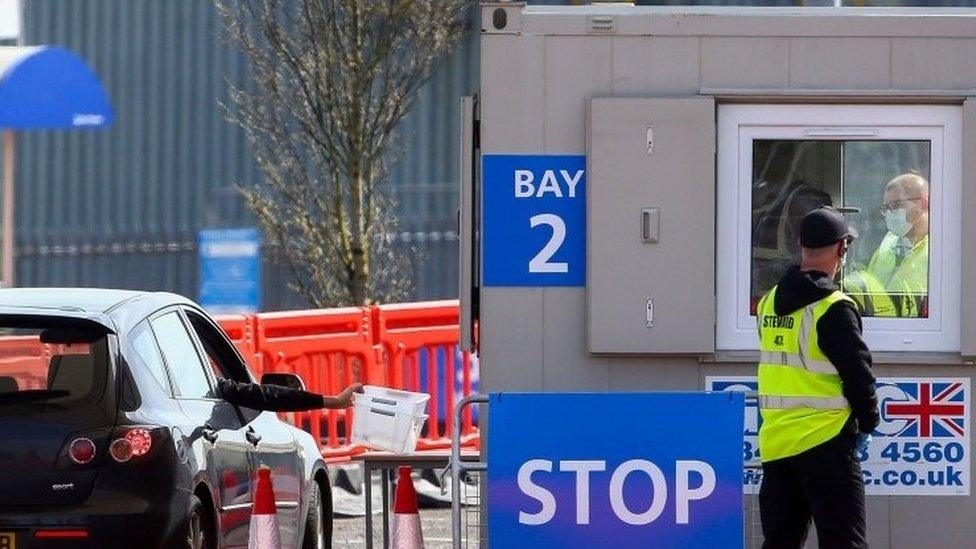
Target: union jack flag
pixel 931 409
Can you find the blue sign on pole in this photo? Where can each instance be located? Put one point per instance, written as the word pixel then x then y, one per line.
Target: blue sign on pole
pixel 623 470
pixel 230 270
pixel 534 220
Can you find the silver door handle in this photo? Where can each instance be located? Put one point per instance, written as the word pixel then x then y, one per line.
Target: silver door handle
pixel 650 225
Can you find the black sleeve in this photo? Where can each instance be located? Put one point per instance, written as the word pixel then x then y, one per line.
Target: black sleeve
pixel 267 397
pixel 839 334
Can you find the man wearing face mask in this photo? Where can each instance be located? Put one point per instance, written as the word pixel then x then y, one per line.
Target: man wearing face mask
pixel 901 262
pixel 816 397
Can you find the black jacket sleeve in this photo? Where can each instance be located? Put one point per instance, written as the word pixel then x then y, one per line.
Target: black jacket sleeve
pixel 267 397
pixel 839 334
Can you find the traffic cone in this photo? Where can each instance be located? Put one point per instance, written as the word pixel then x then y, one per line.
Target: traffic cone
pixel 264 521
pixel 405 533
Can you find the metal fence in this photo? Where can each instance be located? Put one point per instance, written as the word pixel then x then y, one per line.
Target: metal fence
pixel 474 531
pixel 122 207
pixel 752 523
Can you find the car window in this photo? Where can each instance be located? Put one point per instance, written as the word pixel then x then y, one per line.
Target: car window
pixel 147 355
pixel 52 362
pixel 181 356
pixel 224 361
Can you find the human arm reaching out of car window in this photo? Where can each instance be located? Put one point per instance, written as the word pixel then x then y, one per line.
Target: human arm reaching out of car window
pixel 274 398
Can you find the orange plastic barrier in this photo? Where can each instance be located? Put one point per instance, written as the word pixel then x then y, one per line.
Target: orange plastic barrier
pixel 415 336
pixel 240 329
pixel 410 346
pixel 329 349
pixel 25 359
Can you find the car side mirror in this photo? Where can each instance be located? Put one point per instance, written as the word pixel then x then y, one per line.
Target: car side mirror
pixel 291 381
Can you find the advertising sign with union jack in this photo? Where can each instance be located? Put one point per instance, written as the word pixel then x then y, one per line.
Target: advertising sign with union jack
pixel 920 448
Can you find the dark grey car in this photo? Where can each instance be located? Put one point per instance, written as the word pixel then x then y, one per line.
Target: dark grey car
pixel 110 434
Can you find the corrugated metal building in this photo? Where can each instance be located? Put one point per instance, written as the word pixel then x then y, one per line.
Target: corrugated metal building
pixel 122 207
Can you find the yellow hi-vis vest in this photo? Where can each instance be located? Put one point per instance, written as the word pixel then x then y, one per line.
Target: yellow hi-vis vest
pixel 870 295
pixel 907 282
pixel 800 395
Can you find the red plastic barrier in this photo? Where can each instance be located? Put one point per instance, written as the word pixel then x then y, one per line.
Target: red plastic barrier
pixel 389 345
pixel 329 349
pixel 414 336
pixel 25 359
pixel 240 329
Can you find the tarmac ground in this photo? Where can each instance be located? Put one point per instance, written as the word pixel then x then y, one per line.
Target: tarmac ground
pixel 350 532
pixel 349 522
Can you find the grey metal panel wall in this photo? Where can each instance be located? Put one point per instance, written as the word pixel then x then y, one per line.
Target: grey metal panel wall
pixel 122 207
pixel 531 337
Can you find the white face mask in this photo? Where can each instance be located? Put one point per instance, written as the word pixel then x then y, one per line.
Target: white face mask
pixel 897 222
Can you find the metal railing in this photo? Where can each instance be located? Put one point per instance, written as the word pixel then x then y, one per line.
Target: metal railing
pixel 752 523
pixel 474 510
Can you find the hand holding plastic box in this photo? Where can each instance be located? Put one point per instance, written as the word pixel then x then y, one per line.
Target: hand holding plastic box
pixel 389 419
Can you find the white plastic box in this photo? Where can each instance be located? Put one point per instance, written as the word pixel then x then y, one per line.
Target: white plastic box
pixel 403 401
pixel 389 419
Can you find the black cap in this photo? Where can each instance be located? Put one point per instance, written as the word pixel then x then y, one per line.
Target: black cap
pixel 823 227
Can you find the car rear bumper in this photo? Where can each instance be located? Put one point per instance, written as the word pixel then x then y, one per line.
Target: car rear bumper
pixel 106 519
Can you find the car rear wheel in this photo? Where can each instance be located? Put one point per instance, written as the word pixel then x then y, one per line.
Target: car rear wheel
pixel 314 521
pixel 199 530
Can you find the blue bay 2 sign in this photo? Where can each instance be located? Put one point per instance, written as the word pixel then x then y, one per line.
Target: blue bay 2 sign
pixel 618 470
pixel 534 220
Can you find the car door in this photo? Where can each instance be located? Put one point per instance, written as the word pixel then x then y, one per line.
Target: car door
pixel 219 435
pixel 277 448
pixel 273 443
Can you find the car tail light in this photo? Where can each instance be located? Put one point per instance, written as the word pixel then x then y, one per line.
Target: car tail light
pixel 81 450
pixel 75 533
pixel 133 443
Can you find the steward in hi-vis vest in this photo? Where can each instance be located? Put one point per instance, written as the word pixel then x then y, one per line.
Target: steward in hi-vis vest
pixel 801 396
pixel 816 397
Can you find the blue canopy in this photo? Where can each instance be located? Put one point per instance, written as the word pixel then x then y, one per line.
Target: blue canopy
pixel 47 87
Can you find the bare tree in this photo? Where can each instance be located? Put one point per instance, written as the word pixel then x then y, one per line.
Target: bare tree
pixel 332 80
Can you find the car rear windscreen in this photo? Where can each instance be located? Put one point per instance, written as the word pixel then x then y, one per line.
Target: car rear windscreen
pixel 51 363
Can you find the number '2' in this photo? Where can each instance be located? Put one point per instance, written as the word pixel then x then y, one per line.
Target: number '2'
pixel 540 263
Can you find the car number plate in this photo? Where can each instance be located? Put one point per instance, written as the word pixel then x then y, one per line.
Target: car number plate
pixel 8 540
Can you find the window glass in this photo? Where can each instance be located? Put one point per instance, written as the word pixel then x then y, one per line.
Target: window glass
pixel 181 356
pixel 147 353
pixel 223 359
pixel 886 182
pixel 51 364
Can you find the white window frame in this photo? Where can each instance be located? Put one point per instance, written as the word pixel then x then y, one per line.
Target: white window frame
pixel 941 125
